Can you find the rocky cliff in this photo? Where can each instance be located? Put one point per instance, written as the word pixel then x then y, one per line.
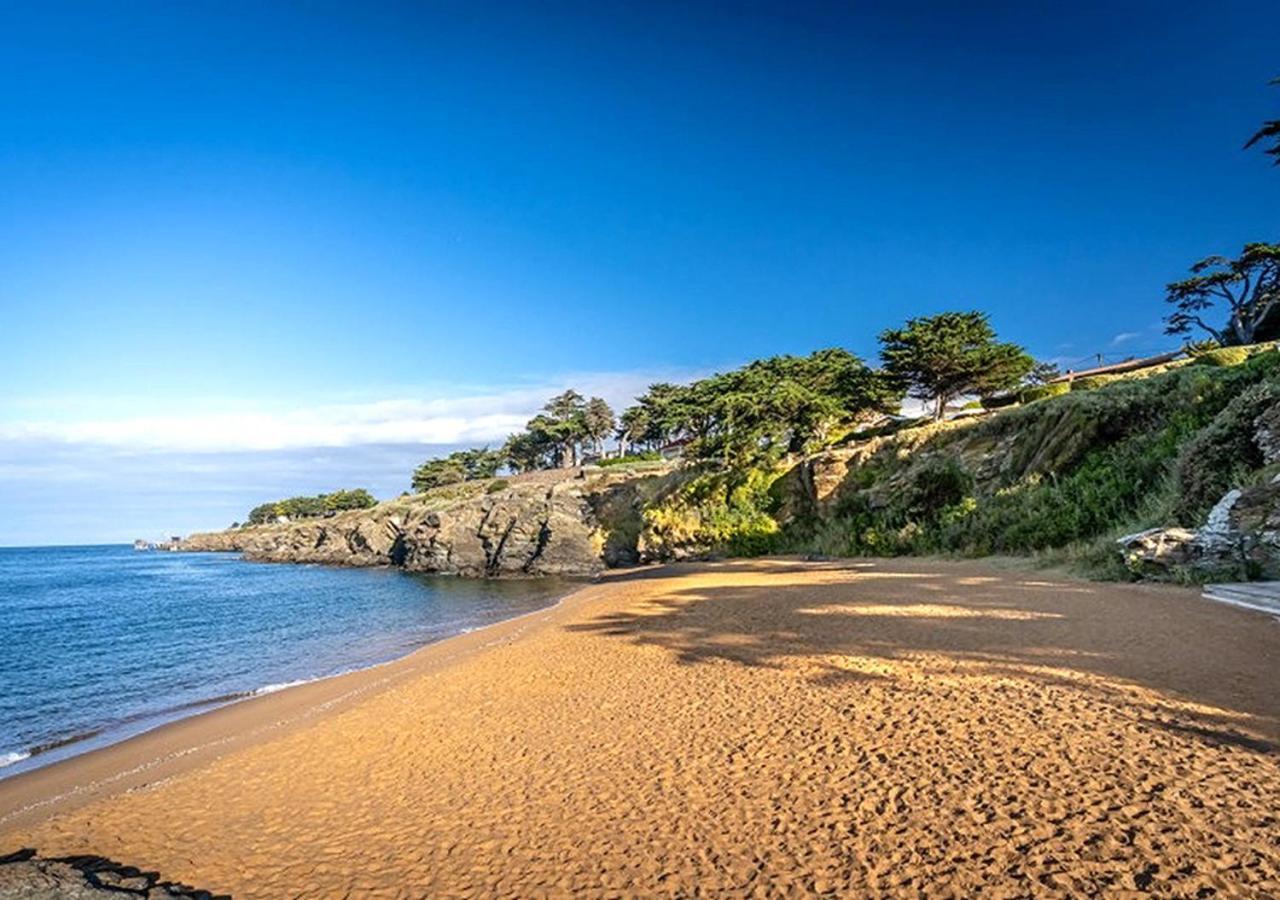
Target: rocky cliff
pixel 1182 465
pixel 559 523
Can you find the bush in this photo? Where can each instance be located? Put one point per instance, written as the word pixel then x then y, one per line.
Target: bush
pixel 1091 382
pixel 999 401
pixel 1043 392
pixel 498 484
pixel 650 456
pixel 1220 455
pixel 938 484
pixel 1224 356
pixel 713 513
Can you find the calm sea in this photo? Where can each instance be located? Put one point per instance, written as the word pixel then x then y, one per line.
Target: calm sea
pixel 99 643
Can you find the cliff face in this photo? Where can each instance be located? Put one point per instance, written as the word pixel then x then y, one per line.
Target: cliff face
pixel 555 524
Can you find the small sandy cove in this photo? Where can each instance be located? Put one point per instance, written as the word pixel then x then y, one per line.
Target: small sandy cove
pixel 766 728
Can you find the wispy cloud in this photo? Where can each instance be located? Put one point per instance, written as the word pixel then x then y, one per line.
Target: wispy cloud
pixel 79 469
pixel 1124 337
pixel 480 417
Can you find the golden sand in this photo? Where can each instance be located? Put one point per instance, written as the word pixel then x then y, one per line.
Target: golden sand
pixel 770 728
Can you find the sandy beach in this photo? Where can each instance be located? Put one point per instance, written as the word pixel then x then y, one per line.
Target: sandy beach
pixel 769 727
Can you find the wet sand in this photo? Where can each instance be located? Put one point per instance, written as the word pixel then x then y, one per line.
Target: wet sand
pixel 776 727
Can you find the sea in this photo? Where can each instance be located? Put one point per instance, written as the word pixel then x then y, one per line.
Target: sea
pixel 100 643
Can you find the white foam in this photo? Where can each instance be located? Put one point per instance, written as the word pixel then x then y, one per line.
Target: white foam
pixel 272 688
pixel 15 757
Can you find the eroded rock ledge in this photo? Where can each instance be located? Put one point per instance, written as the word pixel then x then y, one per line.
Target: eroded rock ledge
pixel 558 524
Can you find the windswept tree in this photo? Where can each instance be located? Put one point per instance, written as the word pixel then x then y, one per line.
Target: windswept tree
pixel 766 408
pixel 633 428
pixel 461 465
pixel 529 451
pixel 1249 288
pixel 1042 373
pixel 436 473
pixel 953 354
pixel 597 423
pixel 1268 136
pixel 562 423
pixel 310 507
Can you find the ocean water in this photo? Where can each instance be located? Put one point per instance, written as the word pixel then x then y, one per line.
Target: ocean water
pixel 99 643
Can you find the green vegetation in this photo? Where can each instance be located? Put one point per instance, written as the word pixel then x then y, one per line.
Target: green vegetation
pixel 1224 356
pixel 939 358
pixel 557 435
pixel 497 485
pixel 1041 391
pixel 631 459
pixel 713 512
pixel 754 415
pixel 1062 478
pixel 1071 473
pixel 1091 382
pixel 310 507
pixel 463 465
pixel 553 438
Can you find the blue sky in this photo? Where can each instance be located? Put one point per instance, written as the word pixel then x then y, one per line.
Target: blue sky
pixel 260 249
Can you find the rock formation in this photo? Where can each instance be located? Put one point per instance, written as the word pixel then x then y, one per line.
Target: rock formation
pixel 28 876
pixel 555 524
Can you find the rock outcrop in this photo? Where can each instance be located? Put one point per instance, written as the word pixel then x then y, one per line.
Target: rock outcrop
pixel 570 523
pixel 28 876
pixel 1240 538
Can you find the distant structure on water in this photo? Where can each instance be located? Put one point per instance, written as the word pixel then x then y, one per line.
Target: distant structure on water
pixel 172 544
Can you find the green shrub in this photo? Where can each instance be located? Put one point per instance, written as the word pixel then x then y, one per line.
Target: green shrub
pixel 1198 348
pixel 1091 382
pixel 1224 356
pixel 498 484
pixel 1043 391
pixel 937 484
pixel 650 456
pixel 1221 454
pixel 714 512
pixel 999 401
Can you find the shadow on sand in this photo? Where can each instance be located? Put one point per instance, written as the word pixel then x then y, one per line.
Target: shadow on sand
pixel 1208 670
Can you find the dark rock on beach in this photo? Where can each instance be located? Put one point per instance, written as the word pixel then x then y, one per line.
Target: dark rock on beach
pixel 25 875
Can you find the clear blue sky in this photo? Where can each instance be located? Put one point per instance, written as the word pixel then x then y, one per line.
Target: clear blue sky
pixel 218 216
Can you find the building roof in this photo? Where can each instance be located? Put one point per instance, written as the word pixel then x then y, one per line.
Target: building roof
pixel 1127 365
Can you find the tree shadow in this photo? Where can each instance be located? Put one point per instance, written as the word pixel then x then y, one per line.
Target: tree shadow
pixel 1187 665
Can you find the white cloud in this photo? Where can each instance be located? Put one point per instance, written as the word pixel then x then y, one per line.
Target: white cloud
pixel 475 418
pixel 1124 337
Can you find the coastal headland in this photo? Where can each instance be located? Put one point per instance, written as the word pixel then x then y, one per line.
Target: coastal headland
pixel 766 727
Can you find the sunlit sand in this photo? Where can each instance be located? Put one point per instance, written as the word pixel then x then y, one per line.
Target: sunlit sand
pixel 758 727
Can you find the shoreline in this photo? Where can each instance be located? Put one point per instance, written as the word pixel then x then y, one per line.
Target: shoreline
pixel 852 727
pixel 176 745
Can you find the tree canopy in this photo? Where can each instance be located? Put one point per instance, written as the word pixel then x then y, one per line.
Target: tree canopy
pixel 556 435
pixel 310 507
pixel 1249 286
pixel 462 465
pixel 770 406
pixel 939 358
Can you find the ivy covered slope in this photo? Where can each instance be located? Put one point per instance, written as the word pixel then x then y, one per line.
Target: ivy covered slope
pixel 1063 477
